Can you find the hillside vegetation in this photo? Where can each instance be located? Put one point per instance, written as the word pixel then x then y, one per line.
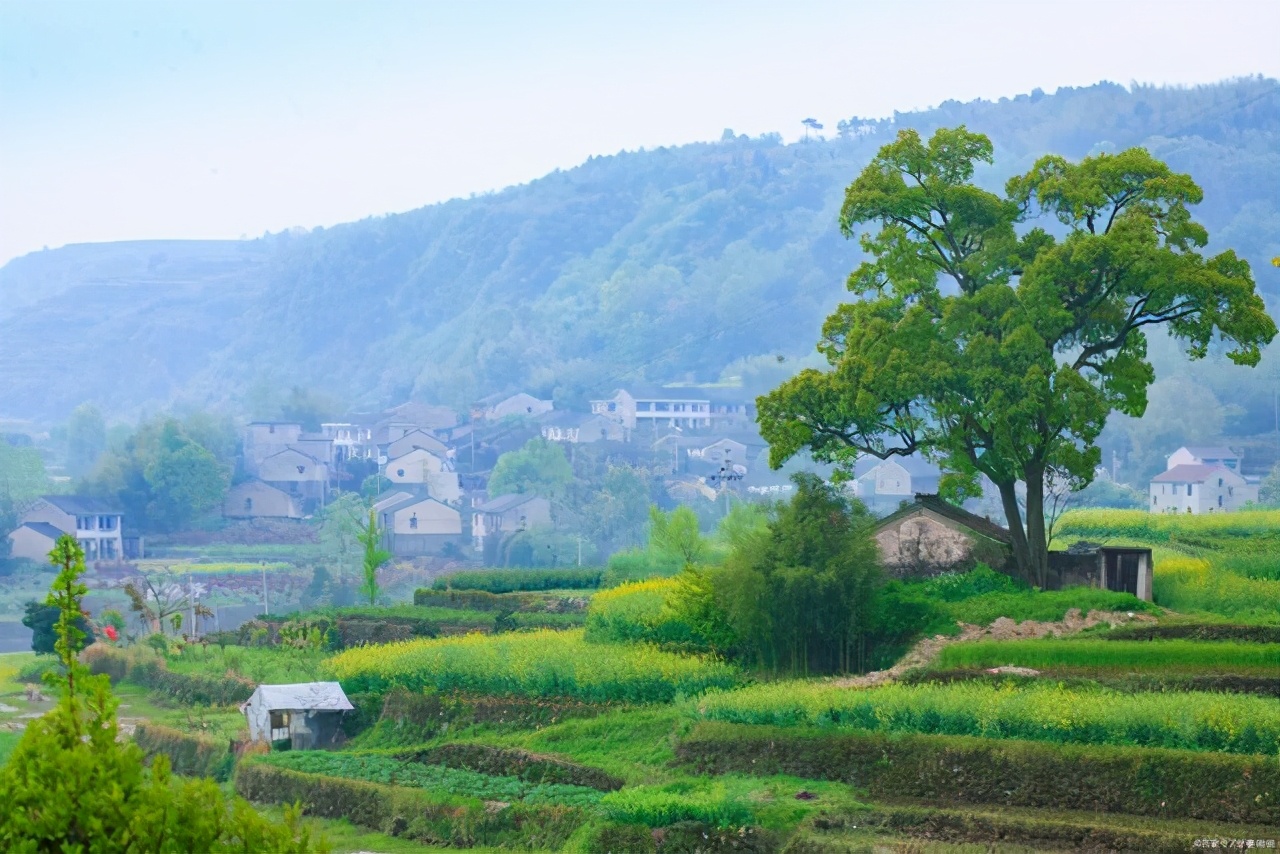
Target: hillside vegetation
pixel 650 265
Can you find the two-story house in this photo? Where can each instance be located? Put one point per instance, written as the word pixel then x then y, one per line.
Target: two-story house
pixel 505 515
pixel 425 471
pixel 96 525
pixel 1200 489
pixel 417 525
pixel 887 483
pixel 650 408
pixel 1199 455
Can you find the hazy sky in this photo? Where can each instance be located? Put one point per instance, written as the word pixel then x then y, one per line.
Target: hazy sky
pixel 221 119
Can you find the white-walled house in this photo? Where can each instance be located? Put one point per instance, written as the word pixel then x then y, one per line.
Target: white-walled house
pixel 656 407
pixel 420 526
pixel 1200 455
pixel 421 468
pixel 256 499
pixel 95 525
pixel 1200 489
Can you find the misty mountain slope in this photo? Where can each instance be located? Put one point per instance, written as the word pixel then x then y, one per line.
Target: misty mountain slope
pixel 654 265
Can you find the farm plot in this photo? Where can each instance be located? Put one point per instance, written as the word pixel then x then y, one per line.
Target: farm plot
pixel 1192 721
pixel 537 664
pixel 1093 656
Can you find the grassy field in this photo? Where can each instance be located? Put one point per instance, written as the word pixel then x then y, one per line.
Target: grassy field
pixel 1172 656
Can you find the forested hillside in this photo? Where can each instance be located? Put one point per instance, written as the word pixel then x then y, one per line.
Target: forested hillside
pixel 659 265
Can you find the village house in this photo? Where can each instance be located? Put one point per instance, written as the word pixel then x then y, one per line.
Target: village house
pixel 495 407
pixel 1198 455
pixel 307 715
pixel 1197 489
pixel 881 483
pixel 298 474
pixel 655 408
pixel 351 441
pixel 96 525
pixel 421 468
pixel 414 439
pixel 930 536
pixel 420 525
pixel 730 408
pixel 256 499
pixel 509 513
pixel 576 428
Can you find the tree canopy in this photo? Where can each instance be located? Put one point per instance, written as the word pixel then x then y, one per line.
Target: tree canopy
pixel 540 468
pixel 999 346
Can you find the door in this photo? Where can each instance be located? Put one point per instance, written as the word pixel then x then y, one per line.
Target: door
pixel 1122 573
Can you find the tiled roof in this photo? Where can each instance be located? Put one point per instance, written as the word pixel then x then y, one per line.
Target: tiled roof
pixel 45 529
pixel 972 521
pixel 79 505
pixel 503 503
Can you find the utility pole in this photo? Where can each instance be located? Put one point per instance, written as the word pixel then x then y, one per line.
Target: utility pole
pixel 579 550
pixel 266 611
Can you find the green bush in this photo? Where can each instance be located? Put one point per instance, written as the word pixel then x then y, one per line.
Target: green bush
pixel 1131 683
pixel 981 580
pixel 512 580
pixel 503 762
pixel 638 565
pixel 656 807
pixel 1042 605
pixel 640 611
pixel 431 817
pixel 151 672
pixel 188 755
pixel 410 718
pixel 1196 631
pixel 962 770
pixel 1040 712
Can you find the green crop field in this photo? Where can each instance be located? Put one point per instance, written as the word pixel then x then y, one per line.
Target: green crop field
pixel 1193 721
pixel 1173 656
pixel 381 768
pixel 540 663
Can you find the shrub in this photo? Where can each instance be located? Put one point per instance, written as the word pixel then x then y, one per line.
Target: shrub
pixel 1042 605
pixel 510 580
pixel 188 755
pixel 426 816
pixel 409 718
pixel 536 664
pixel 961 770
pixel 1210 722
pixel 639 611
pixel 1196 631
pixel 982 579
pixel 151 672
pixel 638 565
pixel 656 807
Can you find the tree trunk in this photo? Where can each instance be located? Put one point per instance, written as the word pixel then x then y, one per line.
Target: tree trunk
pixel 1037 541
pixel 1021 551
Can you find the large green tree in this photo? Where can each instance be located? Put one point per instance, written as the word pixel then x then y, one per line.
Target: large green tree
pixel 540 468
pixel 86 439
pixel 994 346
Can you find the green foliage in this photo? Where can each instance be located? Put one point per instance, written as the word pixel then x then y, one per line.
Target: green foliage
pixel 657 807
pixel 639 564
pixel 1042 605
pixel 1105 492
pixel 1173 656
pixel 529 767
pixel 432 817
pixel 42 619
pixel 982 579
pixel 796 596
pixel 1190 585
pixel 408 719
pixel 539 468
pixel 71 785
pixel 188 755
pixel 214 687
pixel 86 439
pixel 1005 773
pixel 535 664
pixel 370 537
pixel 1196 631
pixel 512 580
pixel 641 612
pixel 340 528
pixel 1189 721
pixel 389 770
pixel 1013 372
pixel 675 535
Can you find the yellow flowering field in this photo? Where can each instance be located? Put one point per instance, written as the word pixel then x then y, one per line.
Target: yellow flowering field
pixel 533 664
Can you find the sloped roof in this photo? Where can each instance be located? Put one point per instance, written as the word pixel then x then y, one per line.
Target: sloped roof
pixel 972 521
pixel 413 501
pixel 79 505
pixel 503 503
pixel 291 450
pixel 1190 474
pixel 656 392
pixel 914 465
pixel 44 529
pixel 302 696
pixel 258 484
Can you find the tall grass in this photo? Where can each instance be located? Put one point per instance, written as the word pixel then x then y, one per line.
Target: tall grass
pixel 511 580
pixel 1180 656
pixel 1188 584
pixel 1043 605
pixel 638 611
pixel 1194 721
pixel 533 664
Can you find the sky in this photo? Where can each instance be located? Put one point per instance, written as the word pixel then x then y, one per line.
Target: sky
pixel 224 119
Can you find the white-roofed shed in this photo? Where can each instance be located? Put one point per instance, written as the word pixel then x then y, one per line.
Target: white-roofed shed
pixel 307 714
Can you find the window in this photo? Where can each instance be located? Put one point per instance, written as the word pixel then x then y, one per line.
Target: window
pixel 271 428
pixel 1188 489
pixel 1154 501
pixel 84 523
pixel 248 505
pixel 106 523
pixel 399 472
pixel 413 521
pixel 107 549
pixel 1219 500
pixel 613 407
pixel 1219 483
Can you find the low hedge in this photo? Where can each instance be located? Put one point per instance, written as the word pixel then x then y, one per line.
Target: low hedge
pixel 188 755
pixel 964 826
pixel 512 580
pixel 966 770
pixel 500 762
pixel 1195 631
pixel 412 813
pixel 685 837
pixel 189 689
pixel 1230 683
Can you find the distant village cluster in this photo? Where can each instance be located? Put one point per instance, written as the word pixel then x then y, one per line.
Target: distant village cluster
pixel 433 468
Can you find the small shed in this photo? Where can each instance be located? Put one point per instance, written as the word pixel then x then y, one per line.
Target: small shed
pixel 308 715
pixel 1117 568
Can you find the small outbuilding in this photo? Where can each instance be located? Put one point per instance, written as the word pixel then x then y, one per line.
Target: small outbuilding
pixel 308 715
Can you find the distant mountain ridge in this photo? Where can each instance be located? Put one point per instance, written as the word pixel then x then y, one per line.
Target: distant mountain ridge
pixel 651 265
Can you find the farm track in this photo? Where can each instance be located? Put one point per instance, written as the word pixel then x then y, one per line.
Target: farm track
pixel 927 649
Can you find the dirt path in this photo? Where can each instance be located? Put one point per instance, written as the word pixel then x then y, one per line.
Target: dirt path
pixel 927 649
